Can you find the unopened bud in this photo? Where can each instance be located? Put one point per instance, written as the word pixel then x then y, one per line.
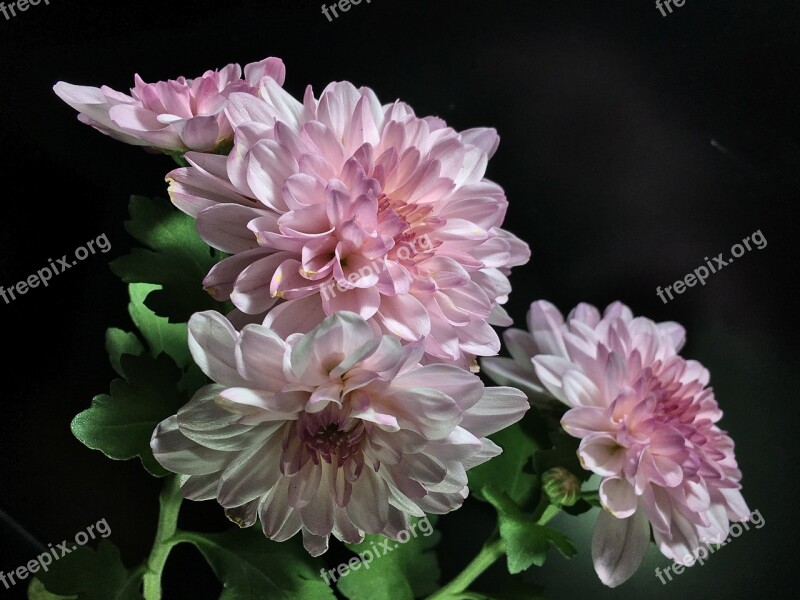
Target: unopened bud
pixel 561 486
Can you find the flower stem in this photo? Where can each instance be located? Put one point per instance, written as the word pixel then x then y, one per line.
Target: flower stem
pixel 169 503
pixel 493 549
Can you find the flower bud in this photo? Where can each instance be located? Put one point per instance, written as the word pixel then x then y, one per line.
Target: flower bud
pixel 561 486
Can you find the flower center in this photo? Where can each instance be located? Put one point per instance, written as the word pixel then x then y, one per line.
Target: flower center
pixel 408 224
pixel 330 437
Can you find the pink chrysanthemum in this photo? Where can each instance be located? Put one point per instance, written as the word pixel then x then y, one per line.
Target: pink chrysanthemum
pixel 175 115
pixel 344 204
pixel 339 431
pixel 647 423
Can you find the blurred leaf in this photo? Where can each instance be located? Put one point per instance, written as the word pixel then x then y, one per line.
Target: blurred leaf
pixel 175 257
pixel 88 574
pixel 506 473
pixel 251 566
pixel 410 570
pixel 121 423
pixel 564 453
pixel 37 591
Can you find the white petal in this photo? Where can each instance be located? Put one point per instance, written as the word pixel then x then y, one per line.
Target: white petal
pixel 619 546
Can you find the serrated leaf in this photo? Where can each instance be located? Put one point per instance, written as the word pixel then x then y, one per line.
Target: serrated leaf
pixel 158 332
pixel 88 574
pixel 400 572
pixel 175 257
pixel 526 538
pixel 121 423
pixel 251 566
pixel 120 342
pixel 506 473
pixel 527 542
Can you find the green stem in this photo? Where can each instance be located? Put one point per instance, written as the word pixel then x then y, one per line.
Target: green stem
pixel 170 505
pixel 493 549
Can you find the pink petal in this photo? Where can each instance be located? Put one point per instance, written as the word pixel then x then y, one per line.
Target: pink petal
pixel 212 340
pixel 619 546
pixel 619 497
pixel 295 316
pixel 601 454
pixel 251 293
pixel 224 227
pixel 404 316
pixel 497 409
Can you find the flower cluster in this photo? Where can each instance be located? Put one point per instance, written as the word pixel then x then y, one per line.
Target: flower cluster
pixel 365 251
pixel 367 265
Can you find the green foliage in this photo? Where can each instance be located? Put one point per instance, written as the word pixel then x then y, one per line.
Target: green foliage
pixel 527 542
pixel 157 377
pixel 87 574
pixel 526 538
pixel 250 566
pixel 507 472
pixel 395 571
pixel 121 423
pixel 563 453
pixel 174 257
pixel 158 332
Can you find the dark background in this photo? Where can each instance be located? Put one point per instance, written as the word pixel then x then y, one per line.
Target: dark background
pixel 633 145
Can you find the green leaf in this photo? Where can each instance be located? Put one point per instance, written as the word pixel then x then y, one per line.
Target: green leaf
pixel 37 591
pixel 120 342
pixel 506 473
pixel 121 423
pixel 174 257
pixel 389 570
pixel 88 574
pixel 250 566
pixel 527 542
pixel 561 542
pixel 158 332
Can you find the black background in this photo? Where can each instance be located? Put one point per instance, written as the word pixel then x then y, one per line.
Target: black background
pixel 633 146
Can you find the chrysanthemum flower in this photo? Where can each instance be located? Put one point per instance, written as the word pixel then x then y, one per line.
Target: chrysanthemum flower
pixel 175 115
pixel 339 431
pixel 343 203
pixel 647 423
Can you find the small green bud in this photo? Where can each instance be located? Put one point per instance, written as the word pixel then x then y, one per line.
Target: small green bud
pixel 561 486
